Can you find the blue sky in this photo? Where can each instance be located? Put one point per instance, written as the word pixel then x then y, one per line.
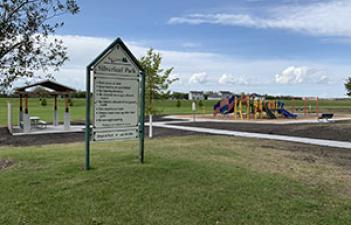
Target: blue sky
pixel 288 47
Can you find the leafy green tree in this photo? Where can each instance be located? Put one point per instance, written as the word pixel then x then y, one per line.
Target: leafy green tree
pixel 27 41
pixel 348 86
pixel 157 81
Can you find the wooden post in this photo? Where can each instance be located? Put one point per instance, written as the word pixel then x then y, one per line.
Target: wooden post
pixel 55 123
pixel 21 111
pixel 66 104
pixel 55 102
pixel 26 105
pixel 67 116
pixel 21 103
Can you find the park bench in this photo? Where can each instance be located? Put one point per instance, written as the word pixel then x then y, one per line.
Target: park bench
pixel 326 116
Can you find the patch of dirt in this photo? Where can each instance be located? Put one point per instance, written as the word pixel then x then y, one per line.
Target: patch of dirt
pixel 311 153
pixel 6 164
pixel 339 131
pixel 313 165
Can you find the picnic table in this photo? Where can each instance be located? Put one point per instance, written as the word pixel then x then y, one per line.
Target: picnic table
pixel 37 122
pixel 34 120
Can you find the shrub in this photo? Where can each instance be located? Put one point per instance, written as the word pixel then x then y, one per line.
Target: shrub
pixel 201 104
pixel 70 102
pixel 44 102
pixel 179 103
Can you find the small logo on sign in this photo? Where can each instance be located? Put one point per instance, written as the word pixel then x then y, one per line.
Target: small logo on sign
pixel 117 61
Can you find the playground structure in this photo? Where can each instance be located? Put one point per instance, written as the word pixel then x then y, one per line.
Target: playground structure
pixel 257 107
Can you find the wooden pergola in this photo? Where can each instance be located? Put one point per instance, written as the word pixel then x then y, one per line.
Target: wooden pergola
pixel 56 89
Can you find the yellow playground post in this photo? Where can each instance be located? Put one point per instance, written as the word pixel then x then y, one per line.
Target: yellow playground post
pixel 261 108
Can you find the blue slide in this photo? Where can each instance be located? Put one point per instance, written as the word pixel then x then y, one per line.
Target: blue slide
pixel 285 112
pixel 288 114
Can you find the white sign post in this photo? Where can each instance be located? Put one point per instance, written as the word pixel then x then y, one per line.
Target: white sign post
pixel 9 117
pixel 118 83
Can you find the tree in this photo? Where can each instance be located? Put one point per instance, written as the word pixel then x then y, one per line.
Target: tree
pixel 27 42
pixel 157 82
pixel 348 86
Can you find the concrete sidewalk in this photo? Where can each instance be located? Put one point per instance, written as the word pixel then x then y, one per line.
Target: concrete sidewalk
pixel 320 142
pixel 281 121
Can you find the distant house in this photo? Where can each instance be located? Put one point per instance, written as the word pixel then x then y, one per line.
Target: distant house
pixel 214 96
pixel 225 94
pixel 196 95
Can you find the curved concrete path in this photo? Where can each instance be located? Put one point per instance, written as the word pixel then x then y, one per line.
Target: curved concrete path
pixel 320 142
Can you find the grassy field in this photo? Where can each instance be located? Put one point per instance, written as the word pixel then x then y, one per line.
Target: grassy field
pixel 189 180
pixel 163 106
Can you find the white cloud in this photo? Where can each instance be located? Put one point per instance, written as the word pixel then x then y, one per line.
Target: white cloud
pixel 228 79
pixel 199 78
pixel 301 75
pixel 191 44
pixel 329 18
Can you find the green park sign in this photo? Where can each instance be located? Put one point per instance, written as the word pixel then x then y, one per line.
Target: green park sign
pixel 118 96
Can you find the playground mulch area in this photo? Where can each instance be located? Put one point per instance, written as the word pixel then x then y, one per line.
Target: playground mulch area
pixel 339 131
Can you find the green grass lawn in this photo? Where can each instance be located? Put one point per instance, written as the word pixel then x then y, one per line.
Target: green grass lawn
pixel 185 180
pixel 163 107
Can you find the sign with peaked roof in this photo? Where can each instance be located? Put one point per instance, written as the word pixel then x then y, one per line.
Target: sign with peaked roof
pixel 116 89
pixel 119 98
